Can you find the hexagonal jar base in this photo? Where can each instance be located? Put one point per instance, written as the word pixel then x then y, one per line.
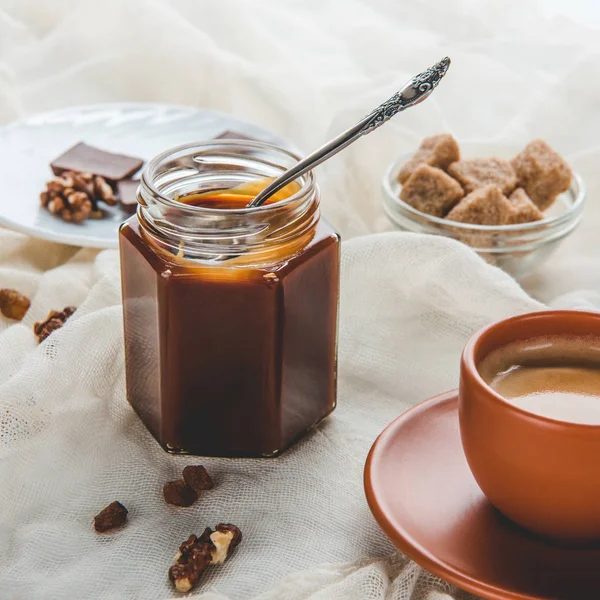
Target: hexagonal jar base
pixel 230 361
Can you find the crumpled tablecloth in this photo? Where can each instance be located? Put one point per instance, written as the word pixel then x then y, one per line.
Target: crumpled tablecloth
pixel 69 442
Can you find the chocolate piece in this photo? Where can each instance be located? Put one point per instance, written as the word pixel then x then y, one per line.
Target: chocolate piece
pixel 13 304
pixel 82 157
pixel 127 191
pixel 484 206
pixel 431 191
pixel 542 172
pixel 55 320
pixel 436 151
pixel 179 493
pixel 234 135
pixel 476 173
pixel 112 517
pixel 197 477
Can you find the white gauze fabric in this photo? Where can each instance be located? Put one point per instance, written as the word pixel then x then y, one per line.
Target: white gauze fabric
pixel 70 443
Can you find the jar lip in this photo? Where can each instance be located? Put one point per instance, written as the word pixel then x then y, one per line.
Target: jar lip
pixel 309 183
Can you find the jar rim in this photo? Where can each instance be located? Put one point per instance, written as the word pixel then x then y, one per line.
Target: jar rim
pixel 147 181
pixel 201 232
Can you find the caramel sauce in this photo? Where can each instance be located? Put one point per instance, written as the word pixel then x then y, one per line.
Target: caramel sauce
pixel 238 197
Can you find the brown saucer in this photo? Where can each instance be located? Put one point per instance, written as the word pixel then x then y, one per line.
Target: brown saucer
pixel 421 491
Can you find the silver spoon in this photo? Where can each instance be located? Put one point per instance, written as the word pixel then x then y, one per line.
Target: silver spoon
pixel 415 91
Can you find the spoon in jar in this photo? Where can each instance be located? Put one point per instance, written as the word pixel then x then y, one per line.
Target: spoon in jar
pixel 415 91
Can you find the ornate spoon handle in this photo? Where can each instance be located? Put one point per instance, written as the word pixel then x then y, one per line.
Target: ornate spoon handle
pixel 415 91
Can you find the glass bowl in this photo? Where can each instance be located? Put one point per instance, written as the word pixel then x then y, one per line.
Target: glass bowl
pixel 517 249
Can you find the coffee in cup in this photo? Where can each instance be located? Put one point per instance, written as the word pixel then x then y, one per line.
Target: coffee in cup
pixel 554 376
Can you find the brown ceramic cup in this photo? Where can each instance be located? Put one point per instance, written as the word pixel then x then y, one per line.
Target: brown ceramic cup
pixel 541 473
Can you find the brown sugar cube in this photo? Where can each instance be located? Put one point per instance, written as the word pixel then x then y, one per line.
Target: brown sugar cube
pixel 476 173
pixel 437 151
pixel 523 209
pixel 431 191
pixel 542 172
pixel 485 206
pixel 481 242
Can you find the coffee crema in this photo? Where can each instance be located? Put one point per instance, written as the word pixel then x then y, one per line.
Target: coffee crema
pixel 552 376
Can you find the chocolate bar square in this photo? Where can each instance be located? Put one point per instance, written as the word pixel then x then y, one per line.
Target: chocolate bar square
pixel 88 159
pixel 228 134
pixel 127 191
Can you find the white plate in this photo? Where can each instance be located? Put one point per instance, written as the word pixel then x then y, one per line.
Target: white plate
pixel 139 129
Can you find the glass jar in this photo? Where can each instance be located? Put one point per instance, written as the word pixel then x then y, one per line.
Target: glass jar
pixel 230 314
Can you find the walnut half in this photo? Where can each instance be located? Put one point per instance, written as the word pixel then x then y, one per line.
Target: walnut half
pixel 190 562
pixel 74 196
pixel 197 553
pixel 13 304
pixel 55 320
pixel 225 539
